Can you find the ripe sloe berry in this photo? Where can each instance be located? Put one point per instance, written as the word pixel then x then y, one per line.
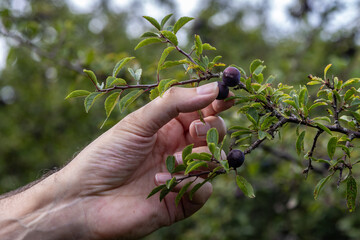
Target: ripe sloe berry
pixel 231 76
pixel 223 91
pixel 235 158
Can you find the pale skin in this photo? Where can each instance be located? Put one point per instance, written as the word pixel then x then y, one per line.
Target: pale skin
pixel 101 193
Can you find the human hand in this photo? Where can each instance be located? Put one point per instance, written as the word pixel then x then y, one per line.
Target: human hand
pixel 106 185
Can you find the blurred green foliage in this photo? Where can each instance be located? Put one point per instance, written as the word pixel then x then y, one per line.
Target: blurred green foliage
pixel 49 45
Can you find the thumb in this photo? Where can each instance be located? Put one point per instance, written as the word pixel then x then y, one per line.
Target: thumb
pixel 151 117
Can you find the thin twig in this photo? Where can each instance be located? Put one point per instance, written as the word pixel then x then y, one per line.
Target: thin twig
pixel 310 154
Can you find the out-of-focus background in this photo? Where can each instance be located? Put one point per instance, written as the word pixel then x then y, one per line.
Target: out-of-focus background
pixel 45 44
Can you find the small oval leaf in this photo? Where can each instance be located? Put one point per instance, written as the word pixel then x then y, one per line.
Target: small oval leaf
pixel 245 186
pixel 170 164
pixel 90 99
pixel 320 185
pixel 147 41
pixel 111 102
pixel 153 22
pixel 181 22
pixel 77 93
pixel 128 99
pixel 351 192
pixel 331 146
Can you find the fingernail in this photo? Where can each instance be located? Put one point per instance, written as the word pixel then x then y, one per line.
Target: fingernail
pixel 207 88
pixel 178 158
pixel 161 178
pixel 201 128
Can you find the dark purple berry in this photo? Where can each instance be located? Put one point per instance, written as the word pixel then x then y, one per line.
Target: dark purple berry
pixel 231 76
pixel 235 158
pixel 223 91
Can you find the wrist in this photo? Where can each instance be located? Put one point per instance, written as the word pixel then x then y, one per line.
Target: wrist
pixel 44 211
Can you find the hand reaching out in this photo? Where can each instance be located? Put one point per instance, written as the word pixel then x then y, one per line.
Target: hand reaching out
pixel 104 188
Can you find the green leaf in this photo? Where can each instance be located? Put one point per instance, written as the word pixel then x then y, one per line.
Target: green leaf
pixel 195 165
pixel 182 192
pixel 165 19
pixel 322 118
pixel 164 192
pixel 198 156
pixel 245 186
pixel 77 93
pixel 320 185
pixel 349 93
pixel 253 113
pixel 155 190
pixel 319 160
pixel 154 93
pixel 128 99
pixel 217 154
pixel 181 22
pixel 169 64
pixel 91 75
pixel 225 164
pixel 326 69
pixel 323 128
pixel 251 119
pixel 170 164
pixel 212 147
pixel 300 143
pixel 149 34
pixel 170 36
pixel 171 183
pixel 132 72
pixel 212 136
pixel 113 81
pixel 259 69
pixel 179 168
pixel 90 99
pixel 304 96
pixel 350 81
pixel 262 88
pixel 267 121
pixel 120 64
pixel 153 22
pixel 262 134
pixel 216 59
pixel 254 64
pixel 111 102
pixel 242 139
pixel 258 77
pixel 147 41
pixel 164 55
pixel 186 151
pixel 331 146
pixel 198 45
pixel 238 128
pixel 313 83
pixel 318 104
pixel 239 133
pixel 165 84
pixel 291 102
pixel 356 101
pixel 270 79
pixel 351 192
pixel 207 46
pixel 345 149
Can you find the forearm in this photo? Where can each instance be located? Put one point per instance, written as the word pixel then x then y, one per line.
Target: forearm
pixel 44 211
